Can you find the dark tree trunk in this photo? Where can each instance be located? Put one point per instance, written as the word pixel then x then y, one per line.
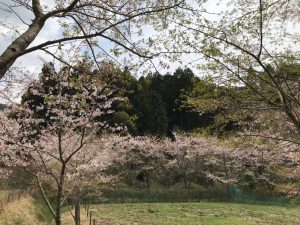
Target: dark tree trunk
pixel 19 45
pixel 59 195
pixel 77 205
pixel 147 179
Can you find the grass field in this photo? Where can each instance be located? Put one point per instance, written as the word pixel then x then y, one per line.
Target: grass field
pixel 28 211
pixel 195 213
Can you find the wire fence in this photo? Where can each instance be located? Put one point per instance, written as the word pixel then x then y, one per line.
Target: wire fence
pixel 216 194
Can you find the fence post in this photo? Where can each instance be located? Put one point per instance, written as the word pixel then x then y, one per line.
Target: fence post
pixel 8 198
pixel 90 218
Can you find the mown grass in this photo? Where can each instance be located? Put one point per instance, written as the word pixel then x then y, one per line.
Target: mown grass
pixel 204 213
pixel 29 211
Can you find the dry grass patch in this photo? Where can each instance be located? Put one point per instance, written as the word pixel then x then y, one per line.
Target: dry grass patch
pixel 20 212
pixel 67 218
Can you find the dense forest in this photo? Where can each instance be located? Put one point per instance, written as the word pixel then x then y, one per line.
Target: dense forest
pixel 160 104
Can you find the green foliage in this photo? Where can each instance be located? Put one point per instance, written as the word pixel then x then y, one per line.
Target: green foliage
pixel 158 104
pixel 171 89
pixel 42 210
pixel 122 117
pixel 217 103
pixel 152 115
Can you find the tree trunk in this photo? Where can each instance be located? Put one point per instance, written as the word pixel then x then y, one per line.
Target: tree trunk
pixel 147 180
pixel 77 205
pixel 59 195
pixel 19 45
pixel 77 212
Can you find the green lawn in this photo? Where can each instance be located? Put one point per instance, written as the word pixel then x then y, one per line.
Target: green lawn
pixel 195 213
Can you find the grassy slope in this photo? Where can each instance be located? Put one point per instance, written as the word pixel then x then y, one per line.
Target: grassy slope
pixel 21 212
pixel 29 211
pixel 195 213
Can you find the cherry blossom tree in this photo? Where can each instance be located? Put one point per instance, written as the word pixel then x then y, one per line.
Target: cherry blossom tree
pixel 137 156
pixel 50 140
pixel 87 172
pixel 247 163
